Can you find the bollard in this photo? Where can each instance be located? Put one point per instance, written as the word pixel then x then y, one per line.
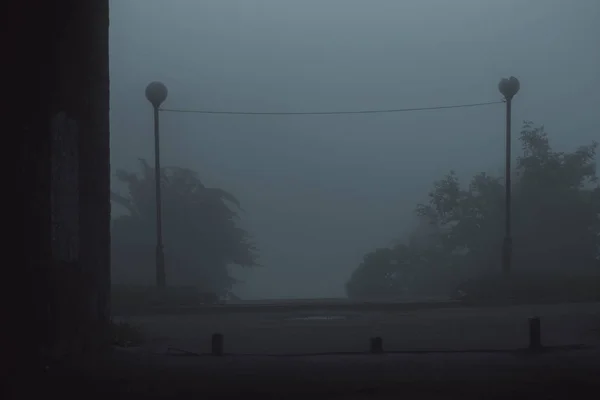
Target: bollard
pixel 217 344
pixel 376 345
pixel 535 340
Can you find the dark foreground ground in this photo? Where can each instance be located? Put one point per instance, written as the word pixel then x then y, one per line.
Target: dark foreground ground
pixel 552 375
pixel 487 358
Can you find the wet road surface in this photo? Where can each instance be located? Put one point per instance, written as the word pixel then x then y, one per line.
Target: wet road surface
pixel 293 332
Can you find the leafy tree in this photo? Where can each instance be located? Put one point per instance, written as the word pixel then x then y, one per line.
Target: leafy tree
pixel 556 224
pixel 200 229
pixel 375 276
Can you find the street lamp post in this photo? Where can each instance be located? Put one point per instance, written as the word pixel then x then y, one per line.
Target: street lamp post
pixel 508 87
pixel 156 93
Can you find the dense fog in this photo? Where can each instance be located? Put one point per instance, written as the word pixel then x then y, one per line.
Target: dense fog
pixel 319 192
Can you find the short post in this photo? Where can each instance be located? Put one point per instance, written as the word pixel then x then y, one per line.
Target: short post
pixel 217 344
pixel 376 345
pixel 535 340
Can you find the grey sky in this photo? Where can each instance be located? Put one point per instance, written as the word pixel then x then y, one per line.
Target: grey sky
pixel 320 191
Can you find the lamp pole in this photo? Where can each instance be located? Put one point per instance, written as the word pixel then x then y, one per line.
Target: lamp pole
pixel 156 93
pixel 509 88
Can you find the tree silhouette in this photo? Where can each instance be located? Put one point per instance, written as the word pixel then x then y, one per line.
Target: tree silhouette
pixel 200 228
pixel 556 225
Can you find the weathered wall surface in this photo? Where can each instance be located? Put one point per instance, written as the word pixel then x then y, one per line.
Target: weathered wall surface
pixel 59 105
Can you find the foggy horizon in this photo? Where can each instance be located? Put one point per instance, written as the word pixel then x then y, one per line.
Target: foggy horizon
pixel 318 192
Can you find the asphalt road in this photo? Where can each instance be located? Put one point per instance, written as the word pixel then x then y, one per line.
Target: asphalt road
pixel 319 331
pixel 132 375
pixel 153 373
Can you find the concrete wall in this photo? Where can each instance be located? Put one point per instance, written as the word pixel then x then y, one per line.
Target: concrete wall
pixel 59 115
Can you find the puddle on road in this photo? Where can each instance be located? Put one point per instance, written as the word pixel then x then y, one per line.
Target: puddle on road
pixel 318 318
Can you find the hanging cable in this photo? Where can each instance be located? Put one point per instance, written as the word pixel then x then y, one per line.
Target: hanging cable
pixel 178 110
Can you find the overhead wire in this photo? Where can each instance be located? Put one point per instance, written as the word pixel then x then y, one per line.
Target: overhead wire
pixel 376 111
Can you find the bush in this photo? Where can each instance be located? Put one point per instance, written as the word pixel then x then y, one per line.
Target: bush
pixel 125 335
